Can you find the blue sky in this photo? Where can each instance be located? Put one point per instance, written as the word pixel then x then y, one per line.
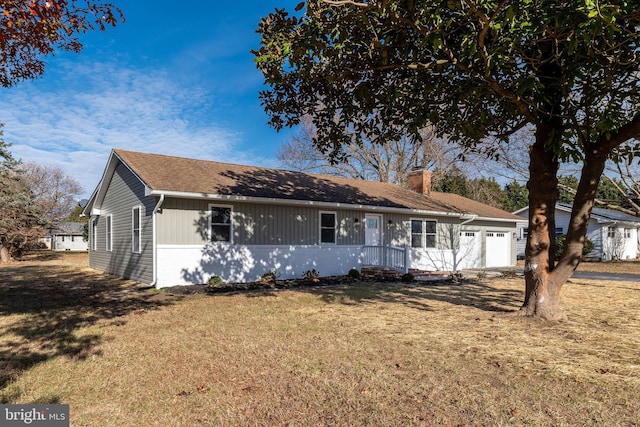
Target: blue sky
pixel 176 78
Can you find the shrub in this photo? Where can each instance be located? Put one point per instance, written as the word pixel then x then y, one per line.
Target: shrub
pixel 354 273
pixel 312 275
pixel 407 278
pixel 586 250
pixel 215 281
pixel 270 276
pixel 456 277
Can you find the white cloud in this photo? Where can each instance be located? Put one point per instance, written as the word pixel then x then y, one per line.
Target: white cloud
pixel 74 123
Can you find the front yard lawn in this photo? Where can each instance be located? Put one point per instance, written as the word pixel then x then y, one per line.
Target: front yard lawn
pixel 359 354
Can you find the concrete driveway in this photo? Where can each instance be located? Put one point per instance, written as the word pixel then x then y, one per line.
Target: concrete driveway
pixel 590 275
pixel 621 277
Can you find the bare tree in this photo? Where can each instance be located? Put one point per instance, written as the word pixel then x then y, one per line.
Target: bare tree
pixel 54 191
pixel 388 162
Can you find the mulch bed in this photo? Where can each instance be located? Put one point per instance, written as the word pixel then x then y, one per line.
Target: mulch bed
pixel 272 285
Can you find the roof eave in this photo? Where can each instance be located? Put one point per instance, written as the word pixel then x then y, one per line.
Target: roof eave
pixel 293 202
pixel 94 205
pixel 492 218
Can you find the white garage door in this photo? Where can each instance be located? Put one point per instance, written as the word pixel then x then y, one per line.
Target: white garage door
pixel 498 249
pixel 469 255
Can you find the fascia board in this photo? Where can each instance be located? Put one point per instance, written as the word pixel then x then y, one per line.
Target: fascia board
pixel 96 199
pixel 324 205
pixel 489 218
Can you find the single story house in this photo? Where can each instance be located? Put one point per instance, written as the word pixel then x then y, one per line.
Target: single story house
pixel 67 236
pixel 614 234
pixel 167 221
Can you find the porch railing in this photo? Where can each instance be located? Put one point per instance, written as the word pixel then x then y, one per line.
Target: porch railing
pixel 387 256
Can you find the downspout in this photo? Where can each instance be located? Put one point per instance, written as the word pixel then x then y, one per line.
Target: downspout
pixel 155 242
pixel 471 217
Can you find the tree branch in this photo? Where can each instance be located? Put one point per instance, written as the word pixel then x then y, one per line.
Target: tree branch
pixel 623 134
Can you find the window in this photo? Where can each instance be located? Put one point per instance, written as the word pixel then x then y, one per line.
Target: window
pixel 94 234
pixel 611 232
pixel 220 224
pixel 430 234
pixel 416 233
pixel 109 232
pixel 423 233
pixel 627 233
pixel 327 227
pixel 135 230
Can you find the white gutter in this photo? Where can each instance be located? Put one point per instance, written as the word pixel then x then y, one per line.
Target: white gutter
pixel 155 241
pixel 293 202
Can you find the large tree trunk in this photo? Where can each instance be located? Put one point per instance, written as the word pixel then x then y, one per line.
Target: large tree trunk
pixel 544 278
pixel 542 293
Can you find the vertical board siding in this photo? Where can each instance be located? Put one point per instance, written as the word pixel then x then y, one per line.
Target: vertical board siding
pixel 125 191
pixel 186 222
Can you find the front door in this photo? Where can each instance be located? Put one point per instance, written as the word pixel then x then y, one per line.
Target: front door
pixel 373 234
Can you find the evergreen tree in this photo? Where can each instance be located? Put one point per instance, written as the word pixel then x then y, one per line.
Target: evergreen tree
pixel 514 196
pixel 20 219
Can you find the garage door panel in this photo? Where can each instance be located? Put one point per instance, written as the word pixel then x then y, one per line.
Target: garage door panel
pixel 498 244
pixel 470 252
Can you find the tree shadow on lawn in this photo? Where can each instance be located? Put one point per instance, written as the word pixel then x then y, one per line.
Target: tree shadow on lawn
pixel 43 309
pixel 479 294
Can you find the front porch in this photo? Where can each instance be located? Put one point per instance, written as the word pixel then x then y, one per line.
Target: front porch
pixel 418 261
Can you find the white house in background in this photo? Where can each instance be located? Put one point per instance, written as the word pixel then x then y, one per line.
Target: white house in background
pixel 615 235
pixel 174 221
pixel 67 236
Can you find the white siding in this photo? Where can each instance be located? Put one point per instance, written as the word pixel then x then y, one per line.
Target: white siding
pixel 196 264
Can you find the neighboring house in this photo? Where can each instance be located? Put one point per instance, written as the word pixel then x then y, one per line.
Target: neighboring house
pixel 67 236
pixel 615 235
pixel 168 221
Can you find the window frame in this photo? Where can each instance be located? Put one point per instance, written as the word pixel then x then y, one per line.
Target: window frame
pixel 136 239
pixel 420 235
pixel 211 223
pixel 94 234
pixel 108 233
pixel 321 227
pixel 424 233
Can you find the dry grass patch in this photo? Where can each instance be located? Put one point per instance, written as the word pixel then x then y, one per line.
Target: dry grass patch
pixel 367 354
pixel 625 267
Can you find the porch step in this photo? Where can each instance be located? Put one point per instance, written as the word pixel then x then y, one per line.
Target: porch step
pixel 428 273
pixel 420 275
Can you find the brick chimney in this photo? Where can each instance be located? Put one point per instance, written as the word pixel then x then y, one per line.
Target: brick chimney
pixel 420 181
